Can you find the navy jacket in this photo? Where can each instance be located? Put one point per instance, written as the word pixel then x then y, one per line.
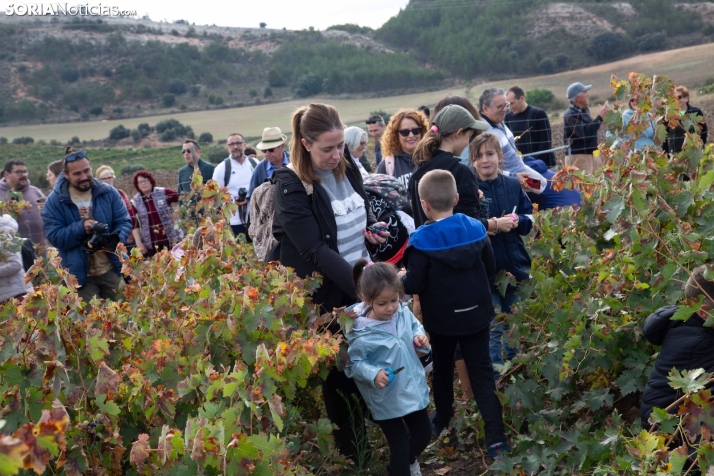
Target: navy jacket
pixel 260 173
pixel 686 345
pixel 581 129
pixel 448 265
pixel 676 136
pixel 550 198
pixel 65 229
pixel 502 194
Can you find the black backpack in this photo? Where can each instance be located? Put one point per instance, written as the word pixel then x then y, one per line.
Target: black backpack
pixel 28 254
pixel 227 172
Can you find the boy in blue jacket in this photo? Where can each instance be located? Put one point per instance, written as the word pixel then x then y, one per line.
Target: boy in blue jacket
pixel 686 345
pixel 448 261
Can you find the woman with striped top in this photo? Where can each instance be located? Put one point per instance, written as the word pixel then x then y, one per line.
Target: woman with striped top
pixel 320 222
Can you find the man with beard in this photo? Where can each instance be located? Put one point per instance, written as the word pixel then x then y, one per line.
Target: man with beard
pixel 15 185
pixel 80 202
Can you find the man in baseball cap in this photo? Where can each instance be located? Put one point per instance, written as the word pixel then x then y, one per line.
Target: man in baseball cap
pixel 581 129
pixel 273 146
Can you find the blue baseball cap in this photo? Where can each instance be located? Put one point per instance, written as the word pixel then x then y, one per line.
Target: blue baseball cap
pixel 577 88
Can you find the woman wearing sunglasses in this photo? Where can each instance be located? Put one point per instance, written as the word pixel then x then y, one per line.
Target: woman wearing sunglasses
pixel 404 131
pixel 676 136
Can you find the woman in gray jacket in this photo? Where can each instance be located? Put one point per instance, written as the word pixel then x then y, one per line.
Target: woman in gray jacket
pixel 12 273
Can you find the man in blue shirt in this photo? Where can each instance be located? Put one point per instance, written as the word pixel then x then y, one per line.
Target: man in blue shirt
pixel 273 146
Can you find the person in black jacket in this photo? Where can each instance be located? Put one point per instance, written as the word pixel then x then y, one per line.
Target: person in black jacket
pixel 676 136
pixel 530 125
pixel 686 345
pixel 512 217
pixel 580 129
pixel 448 262
pixel 320 222
pixel 453 128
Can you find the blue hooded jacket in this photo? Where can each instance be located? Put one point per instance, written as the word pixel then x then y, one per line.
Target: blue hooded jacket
pixel 375 345
pixel 65 229
pixel 448 265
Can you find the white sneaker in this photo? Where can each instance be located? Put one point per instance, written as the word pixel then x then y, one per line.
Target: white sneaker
pixel 414 468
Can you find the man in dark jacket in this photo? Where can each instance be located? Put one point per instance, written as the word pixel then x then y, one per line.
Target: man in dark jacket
pixel 686 345
pixel 78 202
pixel 530 125
pixel 581 129
pixel 448 263
pixel 273 146
pixel 192 154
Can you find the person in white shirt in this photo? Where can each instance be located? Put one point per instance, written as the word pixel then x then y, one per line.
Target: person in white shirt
pixel 235 173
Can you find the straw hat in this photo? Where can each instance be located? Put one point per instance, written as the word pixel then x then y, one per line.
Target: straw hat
pixel 272 137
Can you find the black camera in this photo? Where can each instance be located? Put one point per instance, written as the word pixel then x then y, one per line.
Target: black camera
pixel 242 193
pixel 101 240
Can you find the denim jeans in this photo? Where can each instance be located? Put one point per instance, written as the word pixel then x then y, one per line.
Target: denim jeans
pixel 497 345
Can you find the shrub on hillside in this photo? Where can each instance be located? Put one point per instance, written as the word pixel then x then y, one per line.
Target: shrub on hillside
pixel 216 154
pixel 118 133
pixel 308 85
pixel 546 66
pixel 69 73
pixel 607 46
pixel 543 98
pixel 131 169
pixel 385 115
pixel 177 87
pixel 276 78
pixel 267 92
pixel 352 28
pixel 96 110
pixel 23 140
pixel 651 42
pixel 171 129
pixel 205 138
pixel 168 100
pixel 3 140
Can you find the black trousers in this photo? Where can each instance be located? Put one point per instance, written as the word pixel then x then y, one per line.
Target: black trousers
pixel 474 349
pixel 346 409
pixel 407 437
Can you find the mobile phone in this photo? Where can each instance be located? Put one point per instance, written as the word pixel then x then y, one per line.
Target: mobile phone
pixel 533 183
pixel 377 229
pixel 41 200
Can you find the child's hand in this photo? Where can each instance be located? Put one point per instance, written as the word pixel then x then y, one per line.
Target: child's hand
pixel 382 379
pixel 421 341
pixel 402 272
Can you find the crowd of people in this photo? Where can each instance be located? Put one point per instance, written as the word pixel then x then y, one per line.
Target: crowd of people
pixel 442 215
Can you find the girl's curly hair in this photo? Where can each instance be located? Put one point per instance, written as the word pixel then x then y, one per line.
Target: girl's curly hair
pixel 390 139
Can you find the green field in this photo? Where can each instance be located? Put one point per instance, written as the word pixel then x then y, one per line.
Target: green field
pixel 38 157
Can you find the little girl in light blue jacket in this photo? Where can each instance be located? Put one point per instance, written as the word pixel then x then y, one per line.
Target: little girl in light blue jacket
pixel 384 364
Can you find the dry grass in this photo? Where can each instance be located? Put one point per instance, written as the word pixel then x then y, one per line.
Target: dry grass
pixel 687 66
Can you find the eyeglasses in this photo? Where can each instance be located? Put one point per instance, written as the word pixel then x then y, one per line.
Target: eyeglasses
pixel 75 155
pixel 405 132
pixel 141 182
pixel 19 172
pixel 186 150
pixel 679 97
pixel 106 179
pixel 362 144
pixel 235 144
pixel 271 150
pixel 502 107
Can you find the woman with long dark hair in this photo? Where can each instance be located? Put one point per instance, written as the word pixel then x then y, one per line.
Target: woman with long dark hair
pixel 321 225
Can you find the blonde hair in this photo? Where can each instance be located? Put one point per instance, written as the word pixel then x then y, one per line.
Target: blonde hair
pixel 390 140
pixel 438 189
pixel 480 141
pixel 683 91
pixel 308 123
pixel 102 169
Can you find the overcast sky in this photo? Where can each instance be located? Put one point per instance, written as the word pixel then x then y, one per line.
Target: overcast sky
pixel 291 14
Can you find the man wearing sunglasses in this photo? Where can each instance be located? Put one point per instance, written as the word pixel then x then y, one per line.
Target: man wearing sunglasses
pixel 273 146
pixel 192 155
pixel 376 129
pixel 15 185
pixel 78 203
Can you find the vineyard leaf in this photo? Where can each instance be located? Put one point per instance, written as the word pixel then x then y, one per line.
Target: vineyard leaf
pixel 667 423
pixel 107 381
pixel 108 407
pixel 685 312
pixel 678 458
pixel 98 347
pixel 688 380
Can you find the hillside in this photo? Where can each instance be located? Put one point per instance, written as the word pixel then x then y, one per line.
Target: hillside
pixel 70 69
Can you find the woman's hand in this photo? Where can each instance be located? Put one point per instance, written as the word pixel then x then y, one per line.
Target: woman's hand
pixel 381 380
pixel 377 239
pixel 142 248
pixel 506 224
pixel 421 341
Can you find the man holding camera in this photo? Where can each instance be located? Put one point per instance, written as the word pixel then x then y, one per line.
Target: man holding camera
pixel 85 219
pixel 235 173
